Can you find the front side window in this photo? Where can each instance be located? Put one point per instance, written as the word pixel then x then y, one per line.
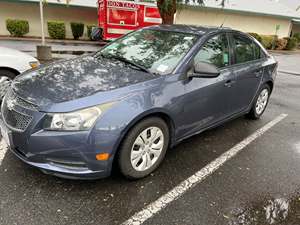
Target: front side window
pixel 243 48
pixel 215 51
pixel 157 51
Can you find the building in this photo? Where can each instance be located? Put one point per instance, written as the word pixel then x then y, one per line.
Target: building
pixel 84 11
pixel 260 16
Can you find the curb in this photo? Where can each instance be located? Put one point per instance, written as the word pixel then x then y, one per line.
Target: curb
pixel 289 72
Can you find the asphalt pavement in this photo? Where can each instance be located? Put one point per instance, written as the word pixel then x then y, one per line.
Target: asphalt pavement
pixel 260 185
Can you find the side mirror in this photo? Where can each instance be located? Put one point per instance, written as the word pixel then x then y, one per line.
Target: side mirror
pixel 206 70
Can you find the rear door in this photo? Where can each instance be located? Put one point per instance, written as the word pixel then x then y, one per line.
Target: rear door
pixel 247 66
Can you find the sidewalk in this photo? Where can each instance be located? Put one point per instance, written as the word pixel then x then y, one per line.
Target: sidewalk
pixel 60 48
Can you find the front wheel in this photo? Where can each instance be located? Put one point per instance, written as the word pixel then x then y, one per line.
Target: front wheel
pixel 260 102
pixel 144 148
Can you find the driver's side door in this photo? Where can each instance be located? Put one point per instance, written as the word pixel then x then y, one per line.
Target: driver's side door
pixel 206 99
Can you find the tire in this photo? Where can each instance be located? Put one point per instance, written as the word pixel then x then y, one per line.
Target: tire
pixel 6 76
pixel 256 112
pixel 96 34
pixel 135 149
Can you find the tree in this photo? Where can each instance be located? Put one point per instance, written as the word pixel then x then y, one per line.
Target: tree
pixel 168 8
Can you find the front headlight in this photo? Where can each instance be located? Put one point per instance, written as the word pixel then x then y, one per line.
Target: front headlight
pixel 75 121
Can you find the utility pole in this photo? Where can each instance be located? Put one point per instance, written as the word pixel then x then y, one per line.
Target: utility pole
pixel 43 51
pixel 42 21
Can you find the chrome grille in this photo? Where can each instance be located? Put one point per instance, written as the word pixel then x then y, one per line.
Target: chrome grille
pixel 15 119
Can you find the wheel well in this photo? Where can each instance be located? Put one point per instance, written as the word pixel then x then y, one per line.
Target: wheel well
pixel 165 117
pixel 271 85
pixel 16 72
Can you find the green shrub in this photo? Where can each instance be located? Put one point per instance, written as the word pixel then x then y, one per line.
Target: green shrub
pixel 17 28
pixel 256 36
pixel 269 41
pixel 57 29
pixel 77 30
pixel 297 36
pixel 89 30
pixel 281 44
pixel 291 43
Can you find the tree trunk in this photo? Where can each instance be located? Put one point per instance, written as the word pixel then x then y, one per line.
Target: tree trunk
pixel 167 10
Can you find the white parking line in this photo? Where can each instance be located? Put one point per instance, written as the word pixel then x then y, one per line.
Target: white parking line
pixel 162 202
pixel 3 149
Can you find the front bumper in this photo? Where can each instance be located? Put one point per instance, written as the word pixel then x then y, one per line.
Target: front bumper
pixel 63 154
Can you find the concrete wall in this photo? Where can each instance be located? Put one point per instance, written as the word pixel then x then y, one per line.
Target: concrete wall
pixel 244 22
pixel 30 12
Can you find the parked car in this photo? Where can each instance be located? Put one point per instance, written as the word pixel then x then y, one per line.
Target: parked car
pixel 134 99
pixel 13 63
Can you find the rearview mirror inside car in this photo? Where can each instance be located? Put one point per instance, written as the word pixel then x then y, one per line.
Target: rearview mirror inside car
pixel 202 69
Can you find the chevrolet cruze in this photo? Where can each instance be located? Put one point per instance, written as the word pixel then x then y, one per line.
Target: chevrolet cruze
pixel 135 98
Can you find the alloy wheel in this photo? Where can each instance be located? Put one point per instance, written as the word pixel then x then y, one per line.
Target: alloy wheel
pixel 262 101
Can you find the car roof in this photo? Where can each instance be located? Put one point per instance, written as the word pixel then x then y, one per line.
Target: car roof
pixel 191 29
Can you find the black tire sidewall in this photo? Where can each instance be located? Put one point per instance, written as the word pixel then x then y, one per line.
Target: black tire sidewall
pixel 124 156
pixel 7 73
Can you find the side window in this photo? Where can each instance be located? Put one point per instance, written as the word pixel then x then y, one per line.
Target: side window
pixel 243 48
pixel 258 53
pixel 215 51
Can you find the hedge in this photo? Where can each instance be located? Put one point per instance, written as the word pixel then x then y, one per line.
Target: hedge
pixel 281 44
pixel 17 28
pixel 297 36
pixel 256 36
pixel 89 30
pixel 269 41
pixel 291 43
pixel 57 29
pixel 77 30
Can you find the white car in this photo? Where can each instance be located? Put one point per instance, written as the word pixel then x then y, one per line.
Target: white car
pixel 13 63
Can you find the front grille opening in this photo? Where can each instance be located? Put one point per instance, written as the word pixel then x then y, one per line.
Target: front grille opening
pixel 12 112
pixel 66 164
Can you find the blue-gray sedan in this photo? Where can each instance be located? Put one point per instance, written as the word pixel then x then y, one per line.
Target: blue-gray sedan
pixel 134 99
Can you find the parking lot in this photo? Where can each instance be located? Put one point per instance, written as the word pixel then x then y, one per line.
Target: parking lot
pixel 259 184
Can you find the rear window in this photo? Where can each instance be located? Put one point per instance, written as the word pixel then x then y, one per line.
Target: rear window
pixel 243 47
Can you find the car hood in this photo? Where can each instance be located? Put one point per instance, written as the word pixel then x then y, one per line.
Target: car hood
pixel 68 80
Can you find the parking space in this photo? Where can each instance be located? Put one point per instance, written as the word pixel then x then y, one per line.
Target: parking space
pixel 260 185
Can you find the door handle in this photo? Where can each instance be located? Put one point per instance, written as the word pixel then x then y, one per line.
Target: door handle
pixel 229 83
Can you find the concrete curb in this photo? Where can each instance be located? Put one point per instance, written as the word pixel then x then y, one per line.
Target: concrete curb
pixel 289 72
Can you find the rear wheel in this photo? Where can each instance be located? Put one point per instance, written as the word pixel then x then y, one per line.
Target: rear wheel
pixel 6 76
pixel 144 148
pixel 260 102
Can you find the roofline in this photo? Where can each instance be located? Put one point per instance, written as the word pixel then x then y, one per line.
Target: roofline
pixel 50 3
pixel 201 7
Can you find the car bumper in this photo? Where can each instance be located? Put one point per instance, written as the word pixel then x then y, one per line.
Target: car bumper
pixel 64 154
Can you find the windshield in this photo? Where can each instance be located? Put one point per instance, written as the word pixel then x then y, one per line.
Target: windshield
pixel 156 51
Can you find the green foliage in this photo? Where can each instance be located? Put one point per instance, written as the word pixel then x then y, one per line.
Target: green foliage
pixel 256 36
pixel 297 36
pixel 77 30
pixel 57 29
pixel 89 30
pixel 17 28
pixel 291 43
pixel 269 41
pixel 281 44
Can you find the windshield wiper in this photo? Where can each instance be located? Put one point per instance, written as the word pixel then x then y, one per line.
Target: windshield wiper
pixel 122 59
